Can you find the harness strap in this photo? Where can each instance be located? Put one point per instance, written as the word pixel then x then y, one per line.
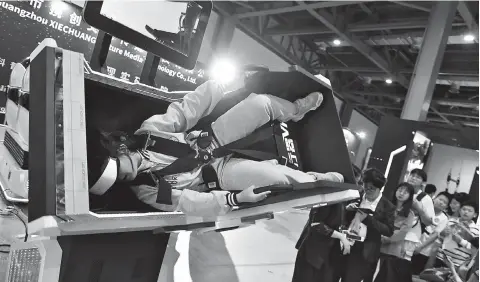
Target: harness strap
pixel 165 146
pixel 240 145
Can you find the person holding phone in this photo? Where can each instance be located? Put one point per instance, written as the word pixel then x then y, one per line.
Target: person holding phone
pixel 320 246
pixel 396 252
pixel 359 264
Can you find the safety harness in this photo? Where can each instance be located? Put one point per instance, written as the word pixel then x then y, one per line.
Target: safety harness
pixel 189 159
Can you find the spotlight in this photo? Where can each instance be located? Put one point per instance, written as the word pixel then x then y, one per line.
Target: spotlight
pixel 469 38
pixel 362 134
pixel 223 71
pixel 336 42
pixel 388 81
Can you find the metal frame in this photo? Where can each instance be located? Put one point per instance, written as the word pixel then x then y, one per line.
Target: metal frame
pixel 45 215
pixel 336 20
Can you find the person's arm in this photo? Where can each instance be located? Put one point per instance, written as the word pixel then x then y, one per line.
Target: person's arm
pixel 384 228
pixel 182 116
pixel 190 202
pixel 425 210
pixel 400 234
pixel 325 230
pixel 436 233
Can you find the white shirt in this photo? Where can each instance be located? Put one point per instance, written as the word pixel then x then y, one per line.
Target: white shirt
pixel 371 205
pixel 439 223
pixel 415 234
pixel 365 204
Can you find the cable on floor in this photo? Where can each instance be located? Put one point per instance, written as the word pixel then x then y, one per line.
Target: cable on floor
pixel 10 210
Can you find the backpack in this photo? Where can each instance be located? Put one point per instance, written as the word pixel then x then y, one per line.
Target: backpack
pixel 419 198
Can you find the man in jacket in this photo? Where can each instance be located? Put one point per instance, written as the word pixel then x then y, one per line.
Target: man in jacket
pixel 363 256
pixel 188 193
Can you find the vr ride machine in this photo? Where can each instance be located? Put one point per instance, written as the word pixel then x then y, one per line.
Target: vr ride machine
pixel 76 236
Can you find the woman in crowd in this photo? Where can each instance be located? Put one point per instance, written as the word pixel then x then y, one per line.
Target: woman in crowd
pixel 429 239
pixel 396 251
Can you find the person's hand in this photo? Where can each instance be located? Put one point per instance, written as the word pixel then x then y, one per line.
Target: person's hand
pixel 352 207
pixel 417 250
pixel 346 244
pixel 446 231
pixel 249 196
pixel 362 215
pixel 457 238
pixel 385 240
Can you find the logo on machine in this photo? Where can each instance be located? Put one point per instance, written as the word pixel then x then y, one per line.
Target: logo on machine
pixel 289 145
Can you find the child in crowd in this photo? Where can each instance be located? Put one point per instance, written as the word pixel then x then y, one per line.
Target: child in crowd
pixel 458 235
pixel 430 190
pixel 431 233
pixel 456 203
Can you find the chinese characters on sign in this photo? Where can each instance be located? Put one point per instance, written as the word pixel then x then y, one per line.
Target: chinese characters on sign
pixel 92 29
pixel 111 71
pixel 37 4
pixel 75 19
pixel 2 62
pixel 56 10
pixel 125 75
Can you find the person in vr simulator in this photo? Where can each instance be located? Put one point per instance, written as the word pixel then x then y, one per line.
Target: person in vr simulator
pixel 109 163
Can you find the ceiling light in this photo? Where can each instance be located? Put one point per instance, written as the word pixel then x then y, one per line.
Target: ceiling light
pixel 223 71
pixel 337 42
pixel 388 81
pixel 362 134
pixel 469 38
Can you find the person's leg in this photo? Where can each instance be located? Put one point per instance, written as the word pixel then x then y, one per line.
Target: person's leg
pixel 181 116
pixel 418 263
pixel 257 110
pixel 239 174
pixel 355 268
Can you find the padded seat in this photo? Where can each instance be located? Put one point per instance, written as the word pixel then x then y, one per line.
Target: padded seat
pixel 111 106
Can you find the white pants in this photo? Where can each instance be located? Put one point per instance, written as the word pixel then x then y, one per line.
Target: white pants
pixel 238 122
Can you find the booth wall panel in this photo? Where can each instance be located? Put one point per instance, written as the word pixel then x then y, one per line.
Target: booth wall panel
pixel 462 163
pixel 359 123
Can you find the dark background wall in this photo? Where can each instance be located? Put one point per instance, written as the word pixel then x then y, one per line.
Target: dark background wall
pixel 393 133
pixel 23 25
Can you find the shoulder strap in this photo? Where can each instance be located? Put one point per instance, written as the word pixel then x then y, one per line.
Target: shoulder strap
pixel 421 196
pixel 240 145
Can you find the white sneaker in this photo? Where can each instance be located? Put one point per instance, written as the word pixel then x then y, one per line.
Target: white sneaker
pixel 329 176
pixel 309 103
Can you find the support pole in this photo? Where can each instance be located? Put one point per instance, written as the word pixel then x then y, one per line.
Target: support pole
pixel 429 60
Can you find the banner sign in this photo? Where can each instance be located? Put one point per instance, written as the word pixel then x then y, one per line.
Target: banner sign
pixel 24 24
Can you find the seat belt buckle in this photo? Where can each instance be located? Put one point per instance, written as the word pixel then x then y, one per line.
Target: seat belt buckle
pixel 204 156
pixel 204 140
pixel 148 142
